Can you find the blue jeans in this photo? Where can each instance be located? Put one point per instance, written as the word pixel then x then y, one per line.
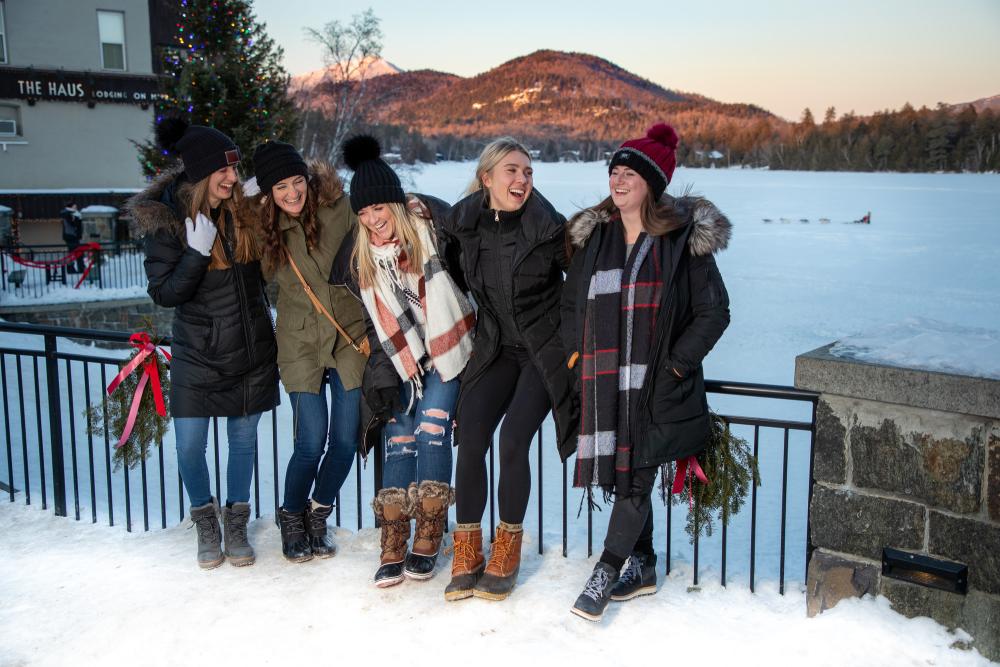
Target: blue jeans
pixel 191 434
pixel 418 444
pixel 316 430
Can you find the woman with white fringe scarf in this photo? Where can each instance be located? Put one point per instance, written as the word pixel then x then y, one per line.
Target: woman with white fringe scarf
pixel 420 326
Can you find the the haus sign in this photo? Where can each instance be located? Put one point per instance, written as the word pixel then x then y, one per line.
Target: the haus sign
pixel 60 86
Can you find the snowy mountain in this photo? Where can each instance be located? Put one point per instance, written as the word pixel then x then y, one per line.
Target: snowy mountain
pixel 368 68
pixel 980 105
pixel 542 95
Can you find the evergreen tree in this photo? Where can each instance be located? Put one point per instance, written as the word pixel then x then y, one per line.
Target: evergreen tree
pixel 224 72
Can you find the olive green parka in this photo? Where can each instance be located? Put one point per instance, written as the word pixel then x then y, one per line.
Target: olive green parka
pixel 307 342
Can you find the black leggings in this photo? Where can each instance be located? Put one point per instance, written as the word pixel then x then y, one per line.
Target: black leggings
pixel 630 527
pixel 511 385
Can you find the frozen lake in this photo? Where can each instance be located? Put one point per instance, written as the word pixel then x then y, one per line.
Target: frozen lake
pixel 930 253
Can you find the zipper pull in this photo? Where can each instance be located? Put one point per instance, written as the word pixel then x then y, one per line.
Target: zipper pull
pixel 496 215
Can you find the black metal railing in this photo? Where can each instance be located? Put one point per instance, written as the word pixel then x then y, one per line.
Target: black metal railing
pixel 116 265
pixel 49 442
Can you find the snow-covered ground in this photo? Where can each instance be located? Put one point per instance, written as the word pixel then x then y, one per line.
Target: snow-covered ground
pixel 922 279
pixel 76 594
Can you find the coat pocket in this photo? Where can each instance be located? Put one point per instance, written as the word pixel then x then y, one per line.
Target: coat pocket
pixel 200 334
pixel 675 399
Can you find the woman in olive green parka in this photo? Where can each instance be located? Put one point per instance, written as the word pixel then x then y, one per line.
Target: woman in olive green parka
pixel 304 218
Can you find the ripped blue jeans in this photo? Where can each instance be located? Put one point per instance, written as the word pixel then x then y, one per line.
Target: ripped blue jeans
pixel 418 444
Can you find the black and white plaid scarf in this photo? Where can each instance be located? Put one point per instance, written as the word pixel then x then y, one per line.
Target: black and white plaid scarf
pixel 622 305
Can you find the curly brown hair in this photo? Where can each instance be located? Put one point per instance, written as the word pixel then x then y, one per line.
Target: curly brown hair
pixel 274 253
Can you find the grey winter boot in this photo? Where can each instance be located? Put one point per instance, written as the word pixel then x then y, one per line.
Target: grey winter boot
pixel 234 523
pixel 206 520
pixel 638 578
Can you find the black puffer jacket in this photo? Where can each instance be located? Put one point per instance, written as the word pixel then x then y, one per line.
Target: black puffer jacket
pixel 539 262
pixel 223 348
pixel 673 419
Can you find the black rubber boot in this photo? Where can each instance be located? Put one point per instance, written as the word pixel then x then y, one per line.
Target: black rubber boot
pixel 638 578
pixel 294 542
pixel 597 593
pixel 320 542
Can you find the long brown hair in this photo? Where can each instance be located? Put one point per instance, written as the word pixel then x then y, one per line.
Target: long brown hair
pixel 658 217
pixel 245 245
pixel 274 251
pixel 406 225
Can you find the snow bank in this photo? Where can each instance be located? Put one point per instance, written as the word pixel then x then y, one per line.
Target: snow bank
pixel 81 594
pixel 927 344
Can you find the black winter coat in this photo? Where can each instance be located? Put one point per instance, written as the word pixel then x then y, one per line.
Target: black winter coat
pixel 539 262
pixel 379 371
pixel 223 348
pixel 673 419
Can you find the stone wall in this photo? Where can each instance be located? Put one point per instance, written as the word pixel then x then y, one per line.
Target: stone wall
pixel 125 315
pixel 907 459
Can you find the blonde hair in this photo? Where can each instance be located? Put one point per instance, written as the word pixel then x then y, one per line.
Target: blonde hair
pixel 245 243
pixel 491 156
pixel 406 226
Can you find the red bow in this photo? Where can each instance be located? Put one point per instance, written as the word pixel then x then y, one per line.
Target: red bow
pixel 685 469
pixel 147 357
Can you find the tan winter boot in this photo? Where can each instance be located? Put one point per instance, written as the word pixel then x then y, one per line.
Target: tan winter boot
pixel 468 562
pixel 505 561
pixel 392 512
pixel 430 501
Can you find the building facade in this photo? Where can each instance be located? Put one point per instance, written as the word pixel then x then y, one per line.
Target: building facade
pixel 77 86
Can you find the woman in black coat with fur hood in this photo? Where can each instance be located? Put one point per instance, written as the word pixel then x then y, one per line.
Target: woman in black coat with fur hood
pixel 644 303
pixel 202 261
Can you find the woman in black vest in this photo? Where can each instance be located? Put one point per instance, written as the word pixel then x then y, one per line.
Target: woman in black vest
pixel 202 260
pixel 512 258
pixel 644 303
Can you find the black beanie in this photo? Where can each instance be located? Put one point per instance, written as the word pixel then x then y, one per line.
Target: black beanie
pixel 374 181
pixel 204 150
pixel 274 161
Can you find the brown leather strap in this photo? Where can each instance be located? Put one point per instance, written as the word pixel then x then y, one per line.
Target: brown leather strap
pixel 364 347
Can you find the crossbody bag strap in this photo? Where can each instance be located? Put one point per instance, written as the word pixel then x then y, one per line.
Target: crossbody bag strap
pixel 364 347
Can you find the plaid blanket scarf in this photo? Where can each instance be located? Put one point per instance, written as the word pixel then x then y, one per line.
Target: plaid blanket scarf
pixel 622 305
pixel 445 335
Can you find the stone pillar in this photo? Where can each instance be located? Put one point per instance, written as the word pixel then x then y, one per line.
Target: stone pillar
pixel 908 459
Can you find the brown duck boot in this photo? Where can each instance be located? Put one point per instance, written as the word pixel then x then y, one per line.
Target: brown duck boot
pixel 392 512
pixel 468 562
pixel 505 561
pixel 430 503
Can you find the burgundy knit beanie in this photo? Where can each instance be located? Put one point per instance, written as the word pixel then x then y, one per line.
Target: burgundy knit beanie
pixel 652 156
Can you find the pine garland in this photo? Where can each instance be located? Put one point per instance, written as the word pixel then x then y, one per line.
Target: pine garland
pixel 108 420
pixel 731 468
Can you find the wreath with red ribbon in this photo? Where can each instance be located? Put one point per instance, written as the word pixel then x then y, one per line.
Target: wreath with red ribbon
pixel 137 407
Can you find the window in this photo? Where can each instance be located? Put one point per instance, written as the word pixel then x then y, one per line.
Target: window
pixel 10 120
pixel 3 37
pixel 111 26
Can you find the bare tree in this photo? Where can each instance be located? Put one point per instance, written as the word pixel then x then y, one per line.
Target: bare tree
pixel 349 51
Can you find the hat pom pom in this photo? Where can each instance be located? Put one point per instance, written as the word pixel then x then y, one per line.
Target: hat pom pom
pixel 169 131
pixel 664 134
pixel 360 149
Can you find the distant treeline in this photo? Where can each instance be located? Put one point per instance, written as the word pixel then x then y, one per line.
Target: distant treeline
pixel 909 139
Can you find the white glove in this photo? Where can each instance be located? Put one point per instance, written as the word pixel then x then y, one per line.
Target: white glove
pixel 250 187
pixel 201 236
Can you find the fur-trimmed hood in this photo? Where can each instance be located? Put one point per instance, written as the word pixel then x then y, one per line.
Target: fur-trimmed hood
pixel 161 204
pixel 710 228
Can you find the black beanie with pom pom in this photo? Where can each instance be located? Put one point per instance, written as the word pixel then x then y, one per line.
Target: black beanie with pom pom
pixel 202 149
pixel 374 181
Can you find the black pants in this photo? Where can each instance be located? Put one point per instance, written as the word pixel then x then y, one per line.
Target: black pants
pixel 511 385
pixel 72 243
pixel 630 527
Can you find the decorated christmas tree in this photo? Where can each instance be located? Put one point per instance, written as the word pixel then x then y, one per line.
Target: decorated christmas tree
pixel 224 72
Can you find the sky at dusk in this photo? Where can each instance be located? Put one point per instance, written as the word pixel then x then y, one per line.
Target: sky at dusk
pixel 782 55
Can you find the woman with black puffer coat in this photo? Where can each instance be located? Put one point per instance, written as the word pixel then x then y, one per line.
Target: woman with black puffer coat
pixel 644 304
pixel 202 260
pixel 512 257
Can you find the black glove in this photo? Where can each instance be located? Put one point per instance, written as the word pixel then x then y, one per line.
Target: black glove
pixel 388 403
